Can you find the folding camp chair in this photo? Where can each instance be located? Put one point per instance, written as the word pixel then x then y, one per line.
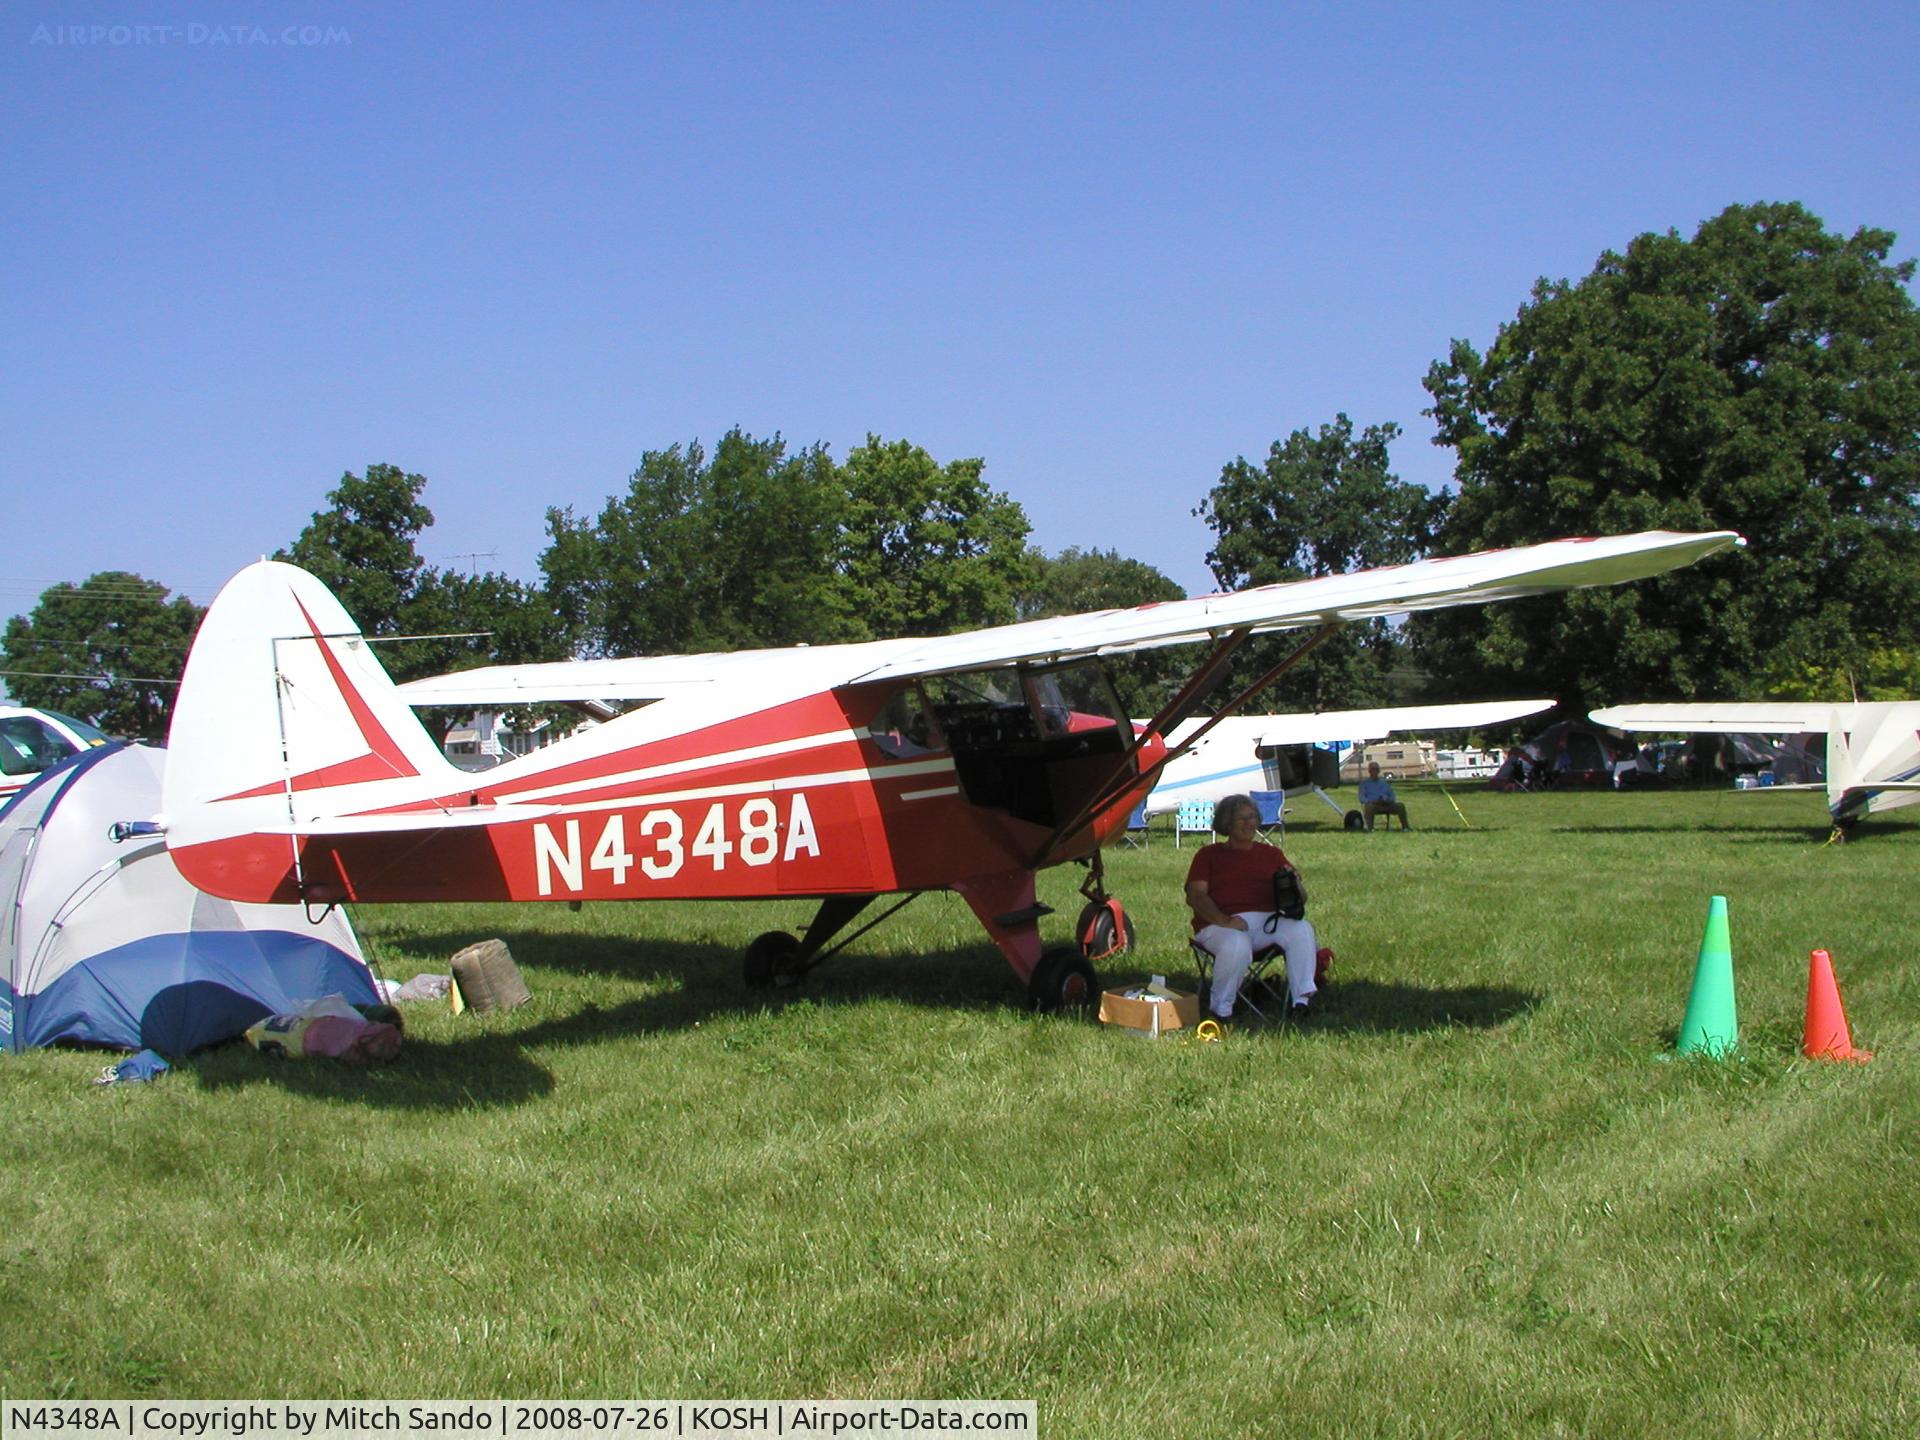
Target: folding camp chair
pixel 1255 983
pixel 1193 815
pixel 1136 832
pixel 1272 805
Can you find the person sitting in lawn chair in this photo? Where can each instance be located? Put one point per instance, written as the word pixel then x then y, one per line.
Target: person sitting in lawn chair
pixel 1231 890
pixel 1377 797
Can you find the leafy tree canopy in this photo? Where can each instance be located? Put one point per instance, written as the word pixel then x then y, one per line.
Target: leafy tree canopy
pixel 1322 503
pixel 1077 581
pixel 364 548
pixel 756 548
pixel 728 553
pixel 929 548
pixel 1763 376
pixel 109 651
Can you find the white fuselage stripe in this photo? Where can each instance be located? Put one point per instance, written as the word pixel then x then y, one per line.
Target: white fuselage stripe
pixel 757 787
pixel 681 767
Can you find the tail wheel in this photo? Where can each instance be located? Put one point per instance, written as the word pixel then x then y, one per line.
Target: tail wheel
pixel 1355 820
pixel 773 959
pixel 1063 980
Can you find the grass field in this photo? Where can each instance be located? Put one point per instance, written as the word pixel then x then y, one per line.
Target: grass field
pixel 1474 1198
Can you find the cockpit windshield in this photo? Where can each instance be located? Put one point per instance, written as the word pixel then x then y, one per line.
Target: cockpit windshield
pixel 1074 699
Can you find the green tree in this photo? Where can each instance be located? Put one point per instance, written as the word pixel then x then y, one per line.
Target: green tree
pixel 109 651
pixel 929 548
pixel 364 547
pixel 1322 503
pixel 739 552
pixel 757 548
pixel 1077 581
pixel 1763 376
pixel 469 620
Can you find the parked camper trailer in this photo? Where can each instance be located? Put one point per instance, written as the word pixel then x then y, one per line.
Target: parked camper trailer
pixel 1397 759
pixel 1468 764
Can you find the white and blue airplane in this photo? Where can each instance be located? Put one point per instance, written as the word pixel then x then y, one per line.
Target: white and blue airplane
pixel 1299 754
pixel 1873 746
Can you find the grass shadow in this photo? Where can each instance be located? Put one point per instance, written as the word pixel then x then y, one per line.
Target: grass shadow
pixel 1383 1007
pixel 1744 835
pixel 482 1073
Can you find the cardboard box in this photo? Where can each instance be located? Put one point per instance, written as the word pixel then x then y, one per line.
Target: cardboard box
pixel 1150 1017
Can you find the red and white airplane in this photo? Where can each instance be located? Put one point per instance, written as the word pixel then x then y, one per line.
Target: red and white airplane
pixel 296 770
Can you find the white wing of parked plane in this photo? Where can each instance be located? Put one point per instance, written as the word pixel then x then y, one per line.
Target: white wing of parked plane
pixel 1364 725
pixel 1873 747
pixel 1366 594
pixel 1227 759
pixel 1770 717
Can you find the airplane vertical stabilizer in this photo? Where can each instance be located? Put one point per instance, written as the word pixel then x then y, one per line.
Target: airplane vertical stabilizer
pixel 285 715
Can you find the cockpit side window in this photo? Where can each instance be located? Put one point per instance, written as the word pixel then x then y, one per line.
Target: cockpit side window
pixel 905 725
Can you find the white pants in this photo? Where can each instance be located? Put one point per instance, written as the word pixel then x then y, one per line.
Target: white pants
pixel 1232 952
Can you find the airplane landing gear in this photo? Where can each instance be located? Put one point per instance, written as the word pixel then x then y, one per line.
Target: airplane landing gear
pixel 1354 820
pixel 1104 927
pixel 1063 980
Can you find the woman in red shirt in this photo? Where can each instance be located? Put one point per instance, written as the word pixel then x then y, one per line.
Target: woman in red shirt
pixel 1230 888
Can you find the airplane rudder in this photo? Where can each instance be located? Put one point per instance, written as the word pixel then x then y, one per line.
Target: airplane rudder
pixel 279 682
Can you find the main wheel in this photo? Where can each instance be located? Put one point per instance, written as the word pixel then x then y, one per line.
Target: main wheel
pixel 1063 980
pixel 1096 929
pixel 1355 820
pixel 772 959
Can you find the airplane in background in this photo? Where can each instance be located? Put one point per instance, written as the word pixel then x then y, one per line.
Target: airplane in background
pixel 1289 752
pixel 1873 747
pixel 834 773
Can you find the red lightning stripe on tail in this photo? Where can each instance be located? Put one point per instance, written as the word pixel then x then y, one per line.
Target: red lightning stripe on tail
pixel 384 759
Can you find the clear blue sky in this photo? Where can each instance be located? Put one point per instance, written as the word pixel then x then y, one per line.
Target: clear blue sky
pixel 1106 248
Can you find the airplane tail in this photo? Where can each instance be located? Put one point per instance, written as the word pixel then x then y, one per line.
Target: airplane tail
pixel 285 717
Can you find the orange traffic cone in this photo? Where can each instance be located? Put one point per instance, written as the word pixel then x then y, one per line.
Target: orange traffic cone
pixel 1826 1036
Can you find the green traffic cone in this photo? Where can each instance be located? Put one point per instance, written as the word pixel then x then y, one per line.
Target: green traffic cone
pixel 1711 1027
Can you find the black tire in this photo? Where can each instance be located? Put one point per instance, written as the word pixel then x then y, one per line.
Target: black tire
pixel 772 959
pixel 1063 980
pixel 1355 820
pixel 1096 924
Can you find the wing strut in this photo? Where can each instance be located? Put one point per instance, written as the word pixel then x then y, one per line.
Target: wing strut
pixel 1245 697
pixel 1125 777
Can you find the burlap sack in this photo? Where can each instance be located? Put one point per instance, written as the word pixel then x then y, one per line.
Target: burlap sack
pixel 488 978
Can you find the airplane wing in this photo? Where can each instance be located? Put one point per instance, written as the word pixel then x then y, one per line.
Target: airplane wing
pixel 1791 717
pixel 1424 585
pixel 1378 724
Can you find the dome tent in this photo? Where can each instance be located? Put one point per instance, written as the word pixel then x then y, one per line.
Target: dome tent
pixel 1591 755
pixel 103 942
